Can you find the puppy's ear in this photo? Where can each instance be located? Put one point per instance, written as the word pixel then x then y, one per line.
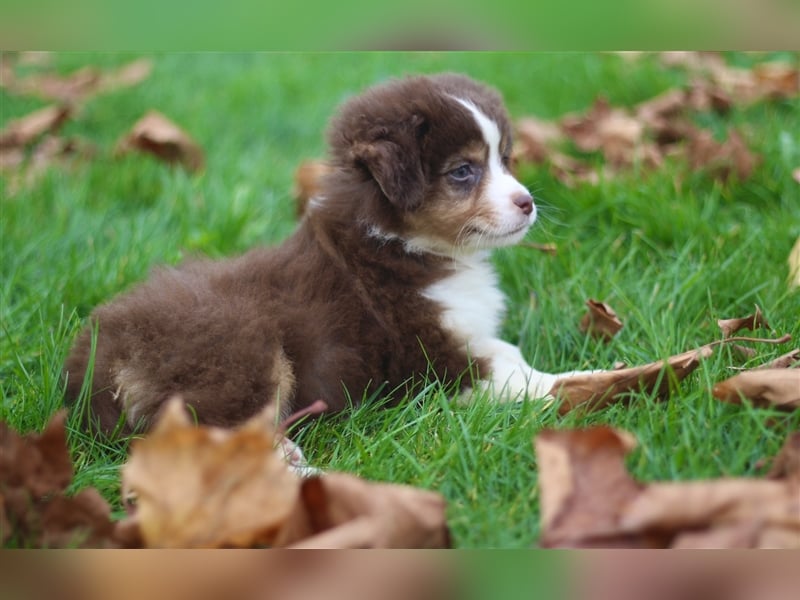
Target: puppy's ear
pixel 393 160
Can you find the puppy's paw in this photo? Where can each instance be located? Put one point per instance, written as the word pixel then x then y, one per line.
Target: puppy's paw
pixel 295 459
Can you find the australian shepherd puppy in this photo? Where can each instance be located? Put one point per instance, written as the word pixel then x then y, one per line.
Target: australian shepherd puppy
pixel 386 281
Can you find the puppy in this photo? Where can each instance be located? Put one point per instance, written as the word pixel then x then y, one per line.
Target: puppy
pixel 386 281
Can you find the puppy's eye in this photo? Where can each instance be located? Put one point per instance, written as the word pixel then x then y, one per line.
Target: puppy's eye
pixel 462 173
pixel 506 160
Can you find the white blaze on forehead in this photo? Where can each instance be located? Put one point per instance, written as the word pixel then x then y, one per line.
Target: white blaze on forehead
pixel 489 129
pixel 501 186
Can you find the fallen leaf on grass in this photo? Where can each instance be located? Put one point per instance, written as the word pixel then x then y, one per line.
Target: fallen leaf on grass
pixel 342 511
pixel 751 322
pixel 595 390
pixel 600 321
pixel 786 464
pixel 155 134
pixel 784 361
pixel 721 159
pixel 769 80
pixel 79 85
pixel 128 75
pixel 308 182
pixel 18 133
pixel 611 130
pixel 206 487
pixel 777 79
pixel 35 471
pixel 589 500
pixel 535 139
pixel 763 387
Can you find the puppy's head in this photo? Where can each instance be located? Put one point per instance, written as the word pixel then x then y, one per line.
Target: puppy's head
pixel 435 150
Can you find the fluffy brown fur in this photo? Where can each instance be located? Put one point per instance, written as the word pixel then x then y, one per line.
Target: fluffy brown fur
pixel 330 313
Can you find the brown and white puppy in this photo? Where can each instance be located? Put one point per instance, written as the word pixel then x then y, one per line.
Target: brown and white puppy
pixel 387 280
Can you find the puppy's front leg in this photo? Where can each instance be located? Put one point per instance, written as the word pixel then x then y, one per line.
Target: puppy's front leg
pixel 512 378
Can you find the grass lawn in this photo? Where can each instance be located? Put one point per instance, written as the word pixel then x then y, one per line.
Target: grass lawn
pixel 672 251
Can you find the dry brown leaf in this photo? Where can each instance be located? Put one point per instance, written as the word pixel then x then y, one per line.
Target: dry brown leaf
pixel 206 487
pixel 307 182
pixel 128 75
pixel 751 322
pixel 768 80
pixel 611 130
pixel 21 132
pixel 721 159
pixel 784 361
pixel 589 500
pixel 596 390
pixel 600 321
pixel 704 96
pixel 666 105
pixel 35 471
pixel 777 79
pixel 535 139
pixel 81 84
pixel 155 134
pixel 763 387
pixel 50 151
pixel 794 264
pixel 62 88
pixel 786 464
pixel 338 510
pixel 582 482
pixel 695 505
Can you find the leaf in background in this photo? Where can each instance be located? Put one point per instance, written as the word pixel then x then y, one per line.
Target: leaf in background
pixel 80 85
pixel 155 134
pixel 18 133
pixel 611 130
pixel 763 387
pixel 600 321
pixel 207 487
pixel 721 159
pixel 535 139
pixel 751 322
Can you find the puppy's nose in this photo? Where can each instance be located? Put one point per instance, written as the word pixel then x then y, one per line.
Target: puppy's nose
pixel 524 201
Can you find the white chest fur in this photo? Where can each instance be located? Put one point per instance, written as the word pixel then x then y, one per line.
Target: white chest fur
pixel 472 303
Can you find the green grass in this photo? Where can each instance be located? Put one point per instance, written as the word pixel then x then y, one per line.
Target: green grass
pixel 671 251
